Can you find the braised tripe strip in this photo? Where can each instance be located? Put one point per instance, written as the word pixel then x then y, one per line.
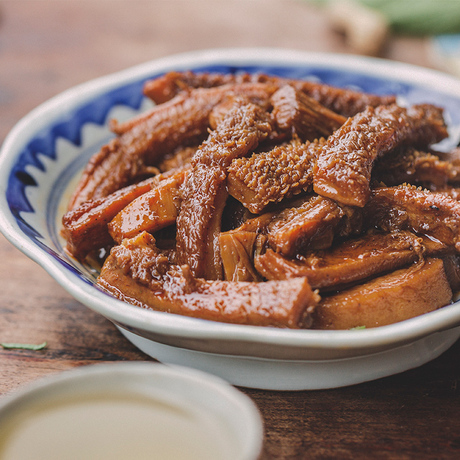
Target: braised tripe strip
pixel 85 227
pixel 343 168
pixel 355 260
pixel 270 177
pixel 395 297
pixel 311 225
pixel 201 101
pixel 236 252
pixel 417 167
pixel 344 101
pixel 136 273
pixel 152 211
pixel 302 115
pixel 205 193
pixel 409 208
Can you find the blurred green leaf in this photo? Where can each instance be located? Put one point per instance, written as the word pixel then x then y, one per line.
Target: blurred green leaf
pixel 24 346
pixel 417 17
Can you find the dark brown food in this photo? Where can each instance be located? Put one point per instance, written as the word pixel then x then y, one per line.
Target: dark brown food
pixel 344 165
pixel 311 226
pixel 85 227
pixel 156 209
pixel 137 273
pixel 268 207
pixel 415 167
pixel 354 260
pixel 302 115
pixel 273 176
pixel 343 101
pixel 165 87
pixel 236 252
pixel 204 193
pixel 409 208
pixel 196 105
pixel 145 140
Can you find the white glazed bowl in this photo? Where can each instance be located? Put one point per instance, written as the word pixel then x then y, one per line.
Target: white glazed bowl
pixel 114 399
pixel 43 155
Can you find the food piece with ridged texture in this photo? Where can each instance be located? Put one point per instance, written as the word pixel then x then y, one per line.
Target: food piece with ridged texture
pixel 205 192
pixel 344 165
pixel 415 167
pixel 199 102
pixel 236 251
pixel 270 177
pixel 406 207
pixel 311 225
pixel 137 273
pixel 344 101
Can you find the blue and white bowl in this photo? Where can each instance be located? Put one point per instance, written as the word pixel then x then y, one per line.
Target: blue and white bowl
pixel 40 163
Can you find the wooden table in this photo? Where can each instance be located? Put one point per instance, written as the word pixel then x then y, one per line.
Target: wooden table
pixel 48 46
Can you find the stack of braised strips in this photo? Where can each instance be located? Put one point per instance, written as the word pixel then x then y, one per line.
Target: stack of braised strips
pixel 259 200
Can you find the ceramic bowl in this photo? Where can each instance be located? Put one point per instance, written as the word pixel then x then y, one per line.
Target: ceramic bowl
pixel 45 152
pixel 130 410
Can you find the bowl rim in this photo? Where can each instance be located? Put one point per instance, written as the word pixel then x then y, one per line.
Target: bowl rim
pixel 173 385
pixel 173 325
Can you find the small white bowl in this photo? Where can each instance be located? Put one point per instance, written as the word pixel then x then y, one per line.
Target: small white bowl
pixel 130 410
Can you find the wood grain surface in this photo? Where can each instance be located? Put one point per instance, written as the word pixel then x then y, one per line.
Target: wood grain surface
pixel 47 46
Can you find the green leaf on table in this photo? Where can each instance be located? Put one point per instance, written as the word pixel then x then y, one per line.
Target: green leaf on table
pixel 24 346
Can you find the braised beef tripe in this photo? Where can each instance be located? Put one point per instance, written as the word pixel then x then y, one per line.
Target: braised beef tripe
pixel 260 200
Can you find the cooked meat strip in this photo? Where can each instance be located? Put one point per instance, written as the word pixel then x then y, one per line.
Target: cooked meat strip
pixel 165 87
pixel 343 168
pixel 304 116
pixel 199 102
pixel 350 262
pixel 414 167
pixel 343 101
pixel 309 223
pixel 409 208
pixel 180 122
pixel 199 221
pixel 152 211
pixel 107 171
pixel 204 192
pixel 312 225
pixel 85 227
pixel 236 251
pixel 270 177
pixel 137 273
pixel 391 298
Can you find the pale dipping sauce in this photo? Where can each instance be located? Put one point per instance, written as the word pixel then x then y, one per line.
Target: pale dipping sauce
pixel 113 427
